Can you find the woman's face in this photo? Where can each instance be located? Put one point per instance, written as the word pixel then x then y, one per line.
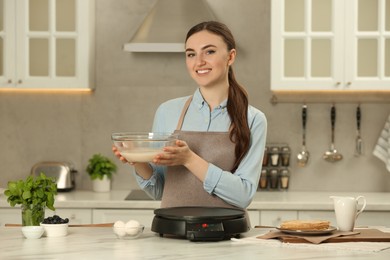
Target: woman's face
pixel 208 59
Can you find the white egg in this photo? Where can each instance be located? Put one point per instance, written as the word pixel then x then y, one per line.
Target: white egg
pixel 132 227
pixel 119 228
pixel 119 224
pixel 120 231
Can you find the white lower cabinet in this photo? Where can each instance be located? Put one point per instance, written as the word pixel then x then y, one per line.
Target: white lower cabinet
pixel 275 217
pixel 14 215
pixel 254 217
pixel 75 216
pixel 366 218
pixel 10 216
pixel 144 216
pixel 373 218
pixel 320 215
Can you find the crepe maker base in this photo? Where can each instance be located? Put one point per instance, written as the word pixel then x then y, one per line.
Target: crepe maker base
pixel 200 223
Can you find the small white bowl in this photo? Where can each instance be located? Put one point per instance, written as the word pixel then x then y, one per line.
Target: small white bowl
pixel 55 230
pixel 32 232
pixel 129 232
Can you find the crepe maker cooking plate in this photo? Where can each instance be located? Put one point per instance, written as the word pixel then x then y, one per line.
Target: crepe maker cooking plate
pixel 200 223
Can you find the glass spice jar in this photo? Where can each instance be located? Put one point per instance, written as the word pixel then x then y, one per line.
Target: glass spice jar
pixel 263 183
pixel 274 179
pixel 284 179
pixel 265 156
pixel 285 161
pixel 275 155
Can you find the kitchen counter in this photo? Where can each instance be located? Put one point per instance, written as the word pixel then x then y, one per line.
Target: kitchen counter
pixel 376 201
pixel 101 243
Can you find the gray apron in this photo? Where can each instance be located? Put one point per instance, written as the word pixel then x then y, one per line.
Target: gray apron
pixel 181 187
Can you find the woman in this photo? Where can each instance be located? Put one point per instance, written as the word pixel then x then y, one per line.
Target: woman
pixel 217 161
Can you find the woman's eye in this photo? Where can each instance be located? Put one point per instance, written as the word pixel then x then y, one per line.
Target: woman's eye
pixel 210 51
pixel 189 55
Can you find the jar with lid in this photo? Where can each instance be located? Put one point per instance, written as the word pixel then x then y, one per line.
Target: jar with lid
pixel 263 183
pixel 273 179
pixel 275 155
pixel 284 179
pixel 265 157
pixel 285 153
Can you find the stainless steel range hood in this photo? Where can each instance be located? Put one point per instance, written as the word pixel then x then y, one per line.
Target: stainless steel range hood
pixel 165 27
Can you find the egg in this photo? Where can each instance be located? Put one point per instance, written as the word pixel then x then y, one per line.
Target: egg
pixel 119 228
pixel 132 227
pixel 119 224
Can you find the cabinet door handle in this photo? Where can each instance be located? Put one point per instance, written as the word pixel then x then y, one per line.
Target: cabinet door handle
pixel 338 83
pixel 349 83
pixel 20 81
pixel 9 81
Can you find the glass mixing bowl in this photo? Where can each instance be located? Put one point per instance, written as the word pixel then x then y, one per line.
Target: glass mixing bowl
pixel 142 147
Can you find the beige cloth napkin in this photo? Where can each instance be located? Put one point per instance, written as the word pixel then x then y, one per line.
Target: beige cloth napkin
pixel 310 238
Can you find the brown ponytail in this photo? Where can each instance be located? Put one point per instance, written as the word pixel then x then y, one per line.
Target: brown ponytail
pixel 237 104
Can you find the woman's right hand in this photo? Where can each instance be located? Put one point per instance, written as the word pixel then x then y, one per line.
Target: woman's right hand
pixel 119 156
pixel 143 169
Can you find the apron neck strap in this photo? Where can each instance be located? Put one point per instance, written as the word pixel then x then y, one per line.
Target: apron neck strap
pixel 183 113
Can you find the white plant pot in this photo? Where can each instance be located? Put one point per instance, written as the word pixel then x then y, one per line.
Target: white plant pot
pixel 103 185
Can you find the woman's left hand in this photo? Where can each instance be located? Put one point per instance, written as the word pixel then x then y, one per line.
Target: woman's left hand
pixel 174 155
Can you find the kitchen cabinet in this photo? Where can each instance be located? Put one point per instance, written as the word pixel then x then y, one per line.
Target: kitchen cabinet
pixel 254 217
pixel 328 45
pixel 46 44
pixel 10 216
pixel 14 215
pixel 144 216
pixel 366 218
pixel 275 217
pixel 75 216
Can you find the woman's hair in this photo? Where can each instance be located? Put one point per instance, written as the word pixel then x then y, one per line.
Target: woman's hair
pixel 237 104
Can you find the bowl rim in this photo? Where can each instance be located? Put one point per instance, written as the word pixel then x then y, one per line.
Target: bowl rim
pixel 143 136
pixel 54 225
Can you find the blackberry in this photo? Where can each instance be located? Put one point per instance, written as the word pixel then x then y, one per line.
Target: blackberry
pixel 55 220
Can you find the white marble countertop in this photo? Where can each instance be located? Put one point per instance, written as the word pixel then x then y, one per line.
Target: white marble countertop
pixel 376 201
pixel 101 243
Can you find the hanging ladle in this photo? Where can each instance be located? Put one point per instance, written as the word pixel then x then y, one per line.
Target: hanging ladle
pixel 332 155
pixel 303 155
pixel 359 140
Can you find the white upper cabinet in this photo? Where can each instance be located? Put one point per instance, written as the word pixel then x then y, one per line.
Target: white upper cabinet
pixel 330 45
pixel 46 44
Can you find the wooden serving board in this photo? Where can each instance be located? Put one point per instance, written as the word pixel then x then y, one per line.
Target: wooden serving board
pixel 365 235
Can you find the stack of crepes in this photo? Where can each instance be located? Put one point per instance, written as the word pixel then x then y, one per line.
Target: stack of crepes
pixel 303 231
pixel 382 148
pixel 305 224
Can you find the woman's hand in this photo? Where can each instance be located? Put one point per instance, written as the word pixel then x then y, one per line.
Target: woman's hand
pixel 119 156
pixel 174 155
pixel 142 169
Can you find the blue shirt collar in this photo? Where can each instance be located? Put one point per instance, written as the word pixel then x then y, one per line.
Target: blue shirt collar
pixel 200 102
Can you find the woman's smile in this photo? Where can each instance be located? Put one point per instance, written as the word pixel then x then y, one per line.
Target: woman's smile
pixel 203 71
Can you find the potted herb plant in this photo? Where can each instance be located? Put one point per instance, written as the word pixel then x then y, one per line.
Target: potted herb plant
pixel 34 194
pixel 101 170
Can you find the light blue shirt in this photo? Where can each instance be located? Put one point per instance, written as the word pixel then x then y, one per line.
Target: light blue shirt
pixel 236 189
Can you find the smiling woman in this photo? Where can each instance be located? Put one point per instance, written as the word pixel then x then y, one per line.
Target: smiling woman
pixel 217 159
